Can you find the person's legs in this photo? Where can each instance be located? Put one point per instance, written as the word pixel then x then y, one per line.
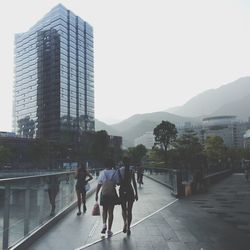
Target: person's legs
pixel 104 219
pixel 130 207
pixel 84 201
pixel 79 201
pixel 110 219
pixel 124 216
pixel 52 197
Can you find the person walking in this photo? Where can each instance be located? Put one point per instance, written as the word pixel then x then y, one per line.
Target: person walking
pixel 140 171
pixel 246 173
pixel 107 181
pixel 53 189
pixel 128 193
pixel 81 174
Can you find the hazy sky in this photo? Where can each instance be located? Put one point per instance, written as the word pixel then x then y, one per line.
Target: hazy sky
pixel 149 54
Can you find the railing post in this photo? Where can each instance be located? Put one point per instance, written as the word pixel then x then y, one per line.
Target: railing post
pixel 26 210
pixel 6 216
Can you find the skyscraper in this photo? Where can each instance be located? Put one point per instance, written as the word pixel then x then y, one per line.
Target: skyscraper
pixel 54 77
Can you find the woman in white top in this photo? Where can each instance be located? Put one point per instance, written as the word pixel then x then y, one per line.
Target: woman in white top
pixel 107 179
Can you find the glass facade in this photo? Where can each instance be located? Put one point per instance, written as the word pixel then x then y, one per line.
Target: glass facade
pixel 54 76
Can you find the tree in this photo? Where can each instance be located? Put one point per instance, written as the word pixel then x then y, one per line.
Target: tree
pixel 188 151
pixel 5 155
pixel 165 133
pixel 26 127
pixel 215 150
pixel 137 153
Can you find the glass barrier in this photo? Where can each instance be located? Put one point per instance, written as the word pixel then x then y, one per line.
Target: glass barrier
pixel 168 177
pixel 26 203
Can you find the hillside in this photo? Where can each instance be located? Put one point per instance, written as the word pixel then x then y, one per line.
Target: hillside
pixel 137 125
pixel 157 117
pixel 232 98
pixel 229 99
pixel 239 107
pixel 103 126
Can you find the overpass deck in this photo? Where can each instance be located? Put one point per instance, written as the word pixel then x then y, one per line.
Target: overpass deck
pixel 216 220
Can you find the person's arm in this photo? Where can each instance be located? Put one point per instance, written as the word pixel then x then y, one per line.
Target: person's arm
pixel 135 186
pixel 100 182
pixel 90 176
pixel 97 191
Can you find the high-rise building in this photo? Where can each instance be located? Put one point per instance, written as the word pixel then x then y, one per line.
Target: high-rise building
pixel 54 77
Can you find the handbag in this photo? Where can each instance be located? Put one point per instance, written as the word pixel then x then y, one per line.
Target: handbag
pixel 87 187
pixel 96 209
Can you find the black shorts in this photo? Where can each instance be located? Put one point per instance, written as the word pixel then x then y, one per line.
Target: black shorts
pixel 80 188
pixel 126 195
pixel 108 201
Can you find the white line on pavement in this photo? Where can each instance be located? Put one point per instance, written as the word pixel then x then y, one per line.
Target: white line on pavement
pixel 157 211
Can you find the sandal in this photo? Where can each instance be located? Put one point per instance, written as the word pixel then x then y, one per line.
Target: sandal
pixel 104 230
pixel 124 229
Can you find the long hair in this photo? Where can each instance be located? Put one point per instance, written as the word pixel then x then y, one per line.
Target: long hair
pixel 81 168
pixel 126 162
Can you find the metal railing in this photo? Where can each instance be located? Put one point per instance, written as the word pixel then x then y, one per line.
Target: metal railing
pixel 27 203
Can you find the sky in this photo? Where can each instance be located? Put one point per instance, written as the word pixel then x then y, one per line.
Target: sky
pixel 149 55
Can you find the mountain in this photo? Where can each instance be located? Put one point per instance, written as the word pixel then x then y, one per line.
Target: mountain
pixel 103 126
pixel 240 107
pixel 134 120
pixel 232 98
pixel 229 99
pixel 138 124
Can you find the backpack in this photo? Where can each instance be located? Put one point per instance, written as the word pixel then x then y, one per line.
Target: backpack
pixel 108 187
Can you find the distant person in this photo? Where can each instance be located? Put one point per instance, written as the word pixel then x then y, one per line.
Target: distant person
pixel 127 192
pixel 246 172
pixel 140 170
pixel 81 174
pixel 107 181
pixel 53 189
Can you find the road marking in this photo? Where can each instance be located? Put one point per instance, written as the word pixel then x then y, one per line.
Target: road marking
pixel 93 229
pixel 133 225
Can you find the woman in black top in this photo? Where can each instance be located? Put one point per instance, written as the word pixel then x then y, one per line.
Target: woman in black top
pixel 81 175
pixel 128 193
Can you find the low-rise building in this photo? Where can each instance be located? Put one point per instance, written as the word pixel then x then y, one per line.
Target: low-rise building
pixel 229 128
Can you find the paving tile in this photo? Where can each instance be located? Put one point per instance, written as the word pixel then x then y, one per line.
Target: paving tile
pixel 199 246
pixel 177 246
pixel 159 247
pixel 185 236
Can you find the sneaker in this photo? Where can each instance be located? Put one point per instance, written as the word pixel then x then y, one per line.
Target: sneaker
pixel 128 232
pixel 109 233
pixel 79 213
pixel 103 230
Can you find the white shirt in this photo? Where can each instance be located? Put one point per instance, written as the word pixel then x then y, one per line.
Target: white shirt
pixel 107 174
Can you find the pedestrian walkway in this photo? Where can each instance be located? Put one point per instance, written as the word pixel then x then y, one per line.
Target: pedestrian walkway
pixel 75 231
pixel 216 220
pixel 188 225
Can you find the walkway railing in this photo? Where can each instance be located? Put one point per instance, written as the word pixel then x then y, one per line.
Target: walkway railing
pixel 27 203
pixel 168 177
pixel 179 180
